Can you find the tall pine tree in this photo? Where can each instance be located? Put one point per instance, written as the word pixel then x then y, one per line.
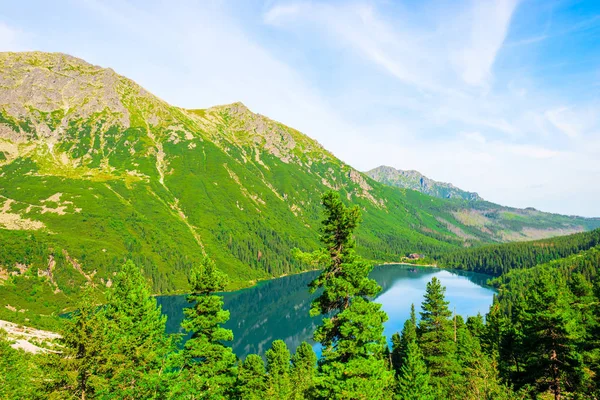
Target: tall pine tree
pixel 551 335
pixel 135 358
pixel 413 377
pixel 278 371
pixel 478 373
pixel 209 365
pixel 304 363
pixel 252 380
pixel 400 342
pixel 353 364
pixel 436 336
pixel 76 370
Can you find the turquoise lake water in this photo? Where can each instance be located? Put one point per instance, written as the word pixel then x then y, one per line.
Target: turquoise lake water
pixel 278 308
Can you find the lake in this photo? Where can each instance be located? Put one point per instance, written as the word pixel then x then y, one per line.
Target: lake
pixel 278 308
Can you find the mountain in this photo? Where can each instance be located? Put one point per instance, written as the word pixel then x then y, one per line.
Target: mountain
pixel 94 170
pixel 416 181
pixel 505 224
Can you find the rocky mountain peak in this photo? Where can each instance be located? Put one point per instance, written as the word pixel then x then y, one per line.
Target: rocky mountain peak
pixel 411 179
pixel 47 89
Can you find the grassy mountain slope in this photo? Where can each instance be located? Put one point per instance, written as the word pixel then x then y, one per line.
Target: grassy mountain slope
pixel 502 224
pixel 94 170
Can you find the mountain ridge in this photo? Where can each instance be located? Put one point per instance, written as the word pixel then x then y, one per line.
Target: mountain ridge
pixel 411 179
pixel 94 169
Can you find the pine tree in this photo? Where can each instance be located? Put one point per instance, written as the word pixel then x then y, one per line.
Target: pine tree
pixel 76 368
pixel 501 339
pixel 436 338
pixel 479 375
pixel 252 380
pixel 594 340
pixel 304 363
pixel 400 342
pixel 278 371
pixel 551 334
pixel 135 357
pixel 353 363
pixel 413 378
pixel 476 326
pixel 209 365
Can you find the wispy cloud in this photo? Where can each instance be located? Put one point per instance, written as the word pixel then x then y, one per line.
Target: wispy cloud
pixel 506 124
pixel 527 41
pixel 464 91
pixel 490 22
pixel 575 123
pixel 360 28
pixel 448 66
pixel 531 151
pixel 417 56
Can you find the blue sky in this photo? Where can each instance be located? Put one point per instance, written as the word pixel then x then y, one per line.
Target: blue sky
pixel 501 97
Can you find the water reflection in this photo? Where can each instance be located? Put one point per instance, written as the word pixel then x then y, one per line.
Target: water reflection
pixel 278 309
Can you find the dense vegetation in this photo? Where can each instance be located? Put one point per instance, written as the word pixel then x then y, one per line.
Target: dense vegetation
pixel 95 170
pixel 544 326
pixel 540 339
pixel 111 189
pixel 499 259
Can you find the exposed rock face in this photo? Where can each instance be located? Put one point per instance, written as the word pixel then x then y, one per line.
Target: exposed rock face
pixel 29 339
pixel 236 124
pixel 54 101
pixel 416 181
pixel 49 89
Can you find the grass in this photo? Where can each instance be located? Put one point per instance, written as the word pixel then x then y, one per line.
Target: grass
pixel 110 173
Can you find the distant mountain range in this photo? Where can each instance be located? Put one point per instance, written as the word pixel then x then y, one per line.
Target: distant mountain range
pixel 416 181
pixel 94 169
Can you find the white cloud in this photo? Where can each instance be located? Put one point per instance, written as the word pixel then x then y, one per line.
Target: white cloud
pixel 359 27
pixel 275 14
pixel 418 90
pixel 418 57
pixel 490 22
pixel 531 151
pixel 565 125
pixel 575 123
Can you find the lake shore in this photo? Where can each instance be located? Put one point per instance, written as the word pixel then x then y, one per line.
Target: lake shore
pixel 241 285
pixel 255 282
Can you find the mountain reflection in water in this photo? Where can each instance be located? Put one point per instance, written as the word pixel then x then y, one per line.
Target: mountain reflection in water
pixel 278 308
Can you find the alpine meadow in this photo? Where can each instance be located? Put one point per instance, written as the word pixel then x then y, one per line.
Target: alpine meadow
pixel 112 199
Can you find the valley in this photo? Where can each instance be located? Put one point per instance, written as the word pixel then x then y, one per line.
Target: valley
pixel 95 170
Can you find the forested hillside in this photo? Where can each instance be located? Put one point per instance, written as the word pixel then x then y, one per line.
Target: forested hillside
pixel 95 170
pixel 500 259
pixel 544 326
pixel 540 339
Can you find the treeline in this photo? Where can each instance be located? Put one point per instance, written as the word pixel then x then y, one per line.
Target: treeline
pixel 544 327
pixel 440 356
pixel 540 339
pixel 121 351
pixel 499 259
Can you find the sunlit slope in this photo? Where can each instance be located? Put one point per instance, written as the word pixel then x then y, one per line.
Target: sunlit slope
pixel 500 223
pixel 94 170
